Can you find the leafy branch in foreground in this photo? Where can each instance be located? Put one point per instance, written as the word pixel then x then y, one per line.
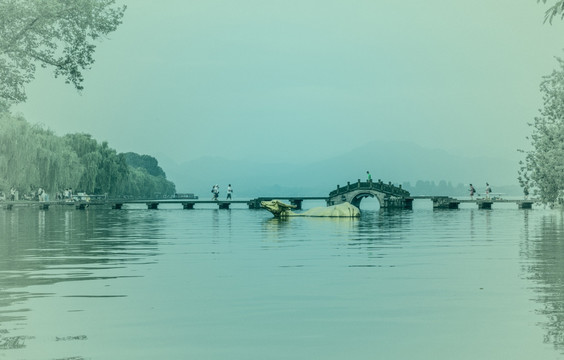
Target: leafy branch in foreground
pixel 55 34
pixel 553 11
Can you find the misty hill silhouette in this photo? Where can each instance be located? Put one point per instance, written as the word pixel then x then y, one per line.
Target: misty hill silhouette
pixel 390 161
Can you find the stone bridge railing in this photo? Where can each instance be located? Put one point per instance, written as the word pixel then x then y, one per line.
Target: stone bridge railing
pixel 388 189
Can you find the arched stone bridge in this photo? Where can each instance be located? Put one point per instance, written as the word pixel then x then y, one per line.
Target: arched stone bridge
pixel 389 196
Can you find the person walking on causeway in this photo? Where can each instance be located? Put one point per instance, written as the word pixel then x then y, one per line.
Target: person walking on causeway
pixel 229 192
pixel 488 190
pixel 215 192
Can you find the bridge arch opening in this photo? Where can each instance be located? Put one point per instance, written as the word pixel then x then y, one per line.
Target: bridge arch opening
pixel 366 201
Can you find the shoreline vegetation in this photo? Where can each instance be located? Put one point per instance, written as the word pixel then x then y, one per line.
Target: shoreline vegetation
pixel 34 158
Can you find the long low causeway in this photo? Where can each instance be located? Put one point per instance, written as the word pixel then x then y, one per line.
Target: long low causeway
pixel 446 202
pixel 154 203
pixel 439 202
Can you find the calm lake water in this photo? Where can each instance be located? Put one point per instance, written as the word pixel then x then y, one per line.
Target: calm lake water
pixel 238 284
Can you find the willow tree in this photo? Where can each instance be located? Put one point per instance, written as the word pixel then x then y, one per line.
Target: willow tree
pixel 543 168
pixel 104 170
pixel 32 157
pixel 17 153
pixel 55 34
pixel 57 164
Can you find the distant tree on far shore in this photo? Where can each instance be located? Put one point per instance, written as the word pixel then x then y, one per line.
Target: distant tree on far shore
pixel 53 34
pixel 430 188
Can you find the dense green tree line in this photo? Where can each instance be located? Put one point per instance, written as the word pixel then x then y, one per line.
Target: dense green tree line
pixel 32 157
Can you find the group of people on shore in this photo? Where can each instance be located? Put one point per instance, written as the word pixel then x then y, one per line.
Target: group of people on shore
pixel 38 195
pixel 215 192
pixel 473 191
pixel 65 194
pixel 14 195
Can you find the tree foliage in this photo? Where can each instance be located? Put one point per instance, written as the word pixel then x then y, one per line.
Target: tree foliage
pixel 555 10
pixel 543 168
pixel 141 182
pixel 105 170
pixel 542 171
pixel 56 34
pixel 146 162
pixel 32 157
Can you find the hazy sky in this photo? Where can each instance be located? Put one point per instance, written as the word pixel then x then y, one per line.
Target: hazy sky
pixel 300 80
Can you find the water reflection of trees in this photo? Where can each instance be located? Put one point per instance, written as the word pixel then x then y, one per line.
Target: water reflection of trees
pixel 47 247
pixel 544 250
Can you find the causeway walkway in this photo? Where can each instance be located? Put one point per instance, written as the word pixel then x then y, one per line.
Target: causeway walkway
pixel 155 203
pixel 447 202
pixel 439 202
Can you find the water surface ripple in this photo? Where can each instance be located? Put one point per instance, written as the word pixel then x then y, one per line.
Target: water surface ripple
pixel 239 284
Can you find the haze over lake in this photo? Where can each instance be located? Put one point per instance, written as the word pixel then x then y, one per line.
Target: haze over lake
pixel 297 82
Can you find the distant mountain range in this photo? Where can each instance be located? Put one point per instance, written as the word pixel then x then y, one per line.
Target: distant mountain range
pixel 389 161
